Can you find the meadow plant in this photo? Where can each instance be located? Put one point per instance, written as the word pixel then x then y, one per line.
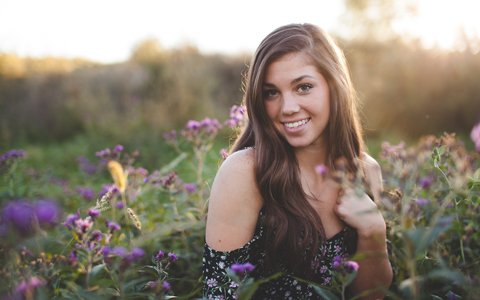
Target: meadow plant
pixel 91 244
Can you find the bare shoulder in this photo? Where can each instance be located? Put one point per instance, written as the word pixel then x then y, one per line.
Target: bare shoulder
pixel 234 203
pixel 370 163
pixel 373 175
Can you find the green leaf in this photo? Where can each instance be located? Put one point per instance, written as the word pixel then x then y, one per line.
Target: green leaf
pixel 174 163
pixel 96 270
pixel 324 293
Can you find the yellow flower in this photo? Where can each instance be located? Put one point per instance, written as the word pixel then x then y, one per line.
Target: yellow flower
pixel 118 175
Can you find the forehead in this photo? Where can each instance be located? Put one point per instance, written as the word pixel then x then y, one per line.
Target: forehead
pixel 289 67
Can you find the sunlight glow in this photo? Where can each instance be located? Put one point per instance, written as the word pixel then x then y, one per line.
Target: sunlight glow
pixel 442 23
pixel 107 30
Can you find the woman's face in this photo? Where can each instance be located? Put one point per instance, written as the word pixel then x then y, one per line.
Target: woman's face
pixel 297 100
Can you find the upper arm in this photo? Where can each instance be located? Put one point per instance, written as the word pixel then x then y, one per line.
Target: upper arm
pixel 373 175
pixel 234 203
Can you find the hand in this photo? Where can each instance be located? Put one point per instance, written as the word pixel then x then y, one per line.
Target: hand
pixel 360 212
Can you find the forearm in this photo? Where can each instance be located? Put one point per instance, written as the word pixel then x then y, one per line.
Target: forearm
pixel 375 272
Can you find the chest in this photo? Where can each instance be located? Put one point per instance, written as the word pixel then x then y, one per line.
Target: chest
pixel 323 199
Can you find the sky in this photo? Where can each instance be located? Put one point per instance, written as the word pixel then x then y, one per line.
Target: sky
pixel 108 30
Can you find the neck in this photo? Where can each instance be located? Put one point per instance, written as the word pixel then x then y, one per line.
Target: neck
pixel 310 157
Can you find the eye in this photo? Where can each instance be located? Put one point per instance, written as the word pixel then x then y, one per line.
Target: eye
pixel 304 88
pixel 269 93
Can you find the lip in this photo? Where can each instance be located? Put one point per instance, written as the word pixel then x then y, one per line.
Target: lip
pixel 296 125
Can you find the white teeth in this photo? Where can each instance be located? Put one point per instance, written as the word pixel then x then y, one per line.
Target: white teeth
pixel 297 123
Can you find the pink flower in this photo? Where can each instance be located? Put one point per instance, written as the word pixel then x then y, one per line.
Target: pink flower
pixel 475 135
pixel 321 170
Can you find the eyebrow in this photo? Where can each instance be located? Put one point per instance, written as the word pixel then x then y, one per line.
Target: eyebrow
pixel 294 81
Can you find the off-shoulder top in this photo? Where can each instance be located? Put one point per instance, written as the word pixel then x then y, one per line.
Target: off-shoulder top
pixel 218 285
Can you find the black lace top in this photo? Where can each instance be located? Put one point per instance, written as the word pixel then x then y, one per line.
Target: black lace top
pixel 218 285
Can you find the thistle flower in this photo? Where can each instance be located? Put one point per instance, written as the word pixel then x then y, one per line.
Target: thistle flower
pixel 172 257
pixel 166 285
pixel 135 254
pixel 170 136
pixel 86 193
pixel 83 225
pixel 20 215
pixel 118 175
pixel 26 287
pixel 93 213
pixel 70 221
pixel 475 136
pixel 112 226
pixel 422 201
pixel 190 187
pixel 11 154
pixel 237 116
pixel 321 170
pixel 223 153
pixel 242 268
pixel 86 166
pixel 47 212
pixel 160 255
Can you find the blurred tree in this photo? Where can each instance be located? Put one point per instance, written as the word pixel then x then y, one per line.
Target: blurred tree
pixel 374 20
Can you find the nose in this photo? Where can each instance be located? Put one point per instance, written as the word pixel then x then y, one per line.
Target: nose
pixel 290 105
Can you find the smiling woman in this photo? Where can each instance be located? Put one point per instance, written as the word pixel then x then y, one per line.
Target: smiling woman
pixel 272 205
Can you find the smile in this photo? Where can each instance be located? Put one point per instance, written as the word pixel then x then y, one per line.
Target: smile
pixel 296 123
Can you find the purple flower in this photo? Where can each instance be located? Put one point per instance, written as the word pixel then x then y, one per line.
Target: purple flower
pixel 118 149
pixel 172 256
pixel 86 193
pixel 351 266
pixel 337 262
pixel 425 182
pixel 86 166
pixel 136 253
pixel 108 187
pixel 422 201
pixel 112 226
pixel 47 212
pixel 224 153
pixel 70 221
pixel 242 268
pixel 170 136
pixel 20 215
pixel 160 255
pixel 190 187
pixel 119 251
pixel 83 225
pixel 92 212
pixel 96 235
pixel 11 154
pixel 475 136
pixel 237 116
pixel 119 205
pixel 106 250
pixel 193 125
pixel 105 153
pixel 321 170
pixel 72 257
pixel 27 287
pixel 166 286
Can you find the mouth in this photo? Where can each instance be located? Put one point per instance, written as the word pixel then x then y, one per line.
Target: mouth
pixel 292 125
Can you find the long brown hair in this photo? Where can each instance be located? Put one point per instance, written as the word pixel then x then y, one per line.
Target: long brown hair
pixel 293 229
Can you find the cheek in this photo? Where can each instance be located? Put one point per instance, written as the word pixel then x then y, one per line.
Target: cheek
pixel 271 109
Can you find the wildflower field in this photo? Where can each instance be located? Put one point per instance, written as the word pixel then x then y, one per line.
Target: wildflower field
pixel 117 230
